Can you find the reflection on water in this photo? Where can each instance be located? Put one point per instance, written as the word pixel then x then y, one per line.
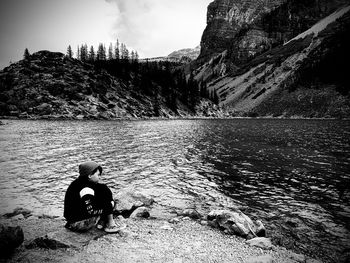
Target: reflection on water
pixel 293 174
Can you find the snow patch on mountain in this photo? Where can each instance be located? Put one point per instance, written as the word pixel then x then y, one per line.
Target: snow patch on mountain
pixel 321 25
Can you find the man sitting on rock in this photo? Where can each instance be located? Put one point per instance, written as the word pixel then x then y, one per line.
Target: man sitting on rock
pixel 89 203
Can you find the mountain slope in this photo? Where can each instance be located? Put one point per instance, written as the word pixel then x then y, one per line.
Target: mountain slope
pixel 275 83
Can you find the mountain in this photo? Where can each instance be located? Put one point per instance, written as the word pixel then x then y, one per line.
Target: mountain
pixel 186 53
pixel 51 85
pixel 285 59
pixel 182 56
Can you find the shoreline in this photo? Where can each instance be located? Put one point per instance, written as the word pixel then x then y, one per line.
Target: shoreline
pixel 149 240
pixel 55 118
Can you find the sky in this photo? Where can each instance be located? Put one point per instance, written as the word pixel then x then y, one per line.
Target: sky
pixel 151 27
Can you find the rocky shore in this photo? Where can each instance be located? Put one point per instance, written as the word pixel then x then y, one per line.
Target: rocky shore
pixel 221 236
pixel 145 240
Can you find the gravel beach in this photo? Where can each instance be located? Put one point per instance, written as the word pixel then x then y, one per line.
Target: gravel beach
pixel 149 240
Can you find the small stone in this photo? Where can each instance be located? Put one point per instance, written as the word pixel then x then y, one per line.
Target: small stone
pixel 191 213
pixel 166 227
pixel 174 220
pixel 18 211
pixel 204 223
pixel 124 233
pixel 261 242
pixel 32 217
pixel 260 230
pixel 18 217
pixel 186 218
pixel 141 212
pixel 138 204
pixel 260 259
pixel 120 217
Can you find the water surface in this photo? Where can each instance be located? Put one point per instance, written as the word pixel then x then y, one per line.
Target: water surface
pixel 292 174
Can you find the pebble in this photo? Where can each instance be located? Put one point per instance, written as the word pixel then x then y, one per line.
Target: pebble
pixel 18 217
pixel 174 220
pixel 166 227
pixel 204 223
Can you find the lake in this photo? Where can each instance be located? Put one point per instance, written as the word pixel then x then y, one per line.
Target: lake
pixel 291 174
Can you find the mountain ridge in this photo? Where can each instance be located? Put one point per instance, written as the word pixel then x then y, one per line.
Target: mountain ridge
pixel 244 83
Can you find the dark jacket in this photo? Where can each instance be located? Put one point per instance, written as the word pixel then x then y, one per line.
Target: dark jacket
pixel 80 201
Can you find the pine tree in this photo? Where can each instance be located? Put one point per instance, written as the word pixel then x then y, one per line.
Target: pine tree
pixel 101 52
pixel 92 54
pixel 69 52
pixel 78 53
pixel 132 56
pixel 83 53
pixel 110 52
pixel 26 54
pixel 116 51
pixel 126 53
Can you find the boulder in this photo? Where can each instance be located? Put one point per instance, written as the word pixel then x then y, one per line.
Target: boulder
pixel 65 238
pixel 127 201
pixel 235 222
pixel 18 217
pixel 19 211
pixel 260 259
pixel 191 213
pixel 10 237
pixel 261 242
pixel 142 212
pixel 44 109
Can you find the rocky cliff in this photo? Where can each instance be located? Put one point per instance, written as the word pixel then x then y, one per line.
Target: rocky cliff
pixel 226 19
pixel 264 68
pixel 246 28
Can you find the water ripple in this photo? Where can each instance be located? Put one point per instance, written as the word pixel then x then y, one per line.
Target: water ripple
pixel 276 170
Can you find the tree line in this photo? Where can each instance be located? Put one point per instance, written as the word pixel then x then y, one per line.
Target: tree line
pixel 118 51
pixel 164 81
pixel 156 79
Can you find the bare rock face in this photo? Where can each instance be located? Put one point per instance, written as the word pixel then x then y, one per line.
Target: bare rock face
pixel 288 59
pixel 226 18
pixel 247 28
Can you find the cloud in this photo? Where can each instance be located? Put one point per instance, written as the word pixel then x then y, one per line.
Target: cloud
pixel 158 27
